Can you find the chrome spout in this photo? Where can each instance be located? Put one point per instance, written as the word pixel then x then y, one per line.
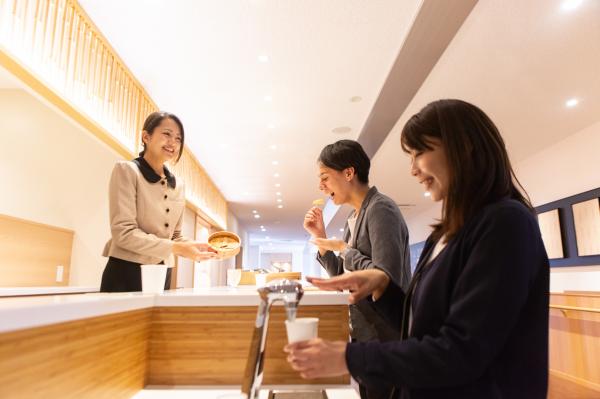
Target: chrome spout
pixel 289 292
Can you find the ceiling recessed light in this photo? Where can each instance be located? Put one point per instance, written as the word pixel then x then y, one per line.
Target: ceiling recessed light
pixel 342 130
pixel 427 194
pixel 263 230
pixel 276 175
pixel 572 102
pixel 263 58
pixel 279 200
pixel 277 184
pixel 275 162
pixel 569 5
pixel 255 212
pixel 342 230
pixel 257 216
pixel 273 147
pixel 278 193
pixel 268 99
pixel 262 227
pixel 355 99
pixel 279 206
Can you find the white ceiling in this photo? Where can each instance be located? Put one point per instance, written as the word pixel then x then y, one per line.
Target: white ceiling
pixel 519 60
pixel 199 59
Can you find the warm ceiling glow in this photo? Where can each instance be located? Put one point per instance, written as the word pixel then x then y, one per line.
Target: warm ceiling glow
pixel 569 5
pixel 572 102
pixel 427 194
pixel 279 206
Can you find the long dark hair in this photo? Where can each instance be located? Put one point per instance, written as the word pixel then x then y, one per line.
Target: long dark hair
pixel 480 172
pixel 152 122
pixel 347 154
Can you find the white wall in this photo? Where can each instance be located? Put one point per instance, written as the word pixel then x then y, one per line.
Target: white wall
pixel 569 167
pixel 56 173
pixel 185 267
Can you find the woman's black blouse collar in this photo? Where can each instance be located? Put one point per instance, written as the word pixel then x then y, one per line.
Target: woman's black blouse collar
pixel 151 176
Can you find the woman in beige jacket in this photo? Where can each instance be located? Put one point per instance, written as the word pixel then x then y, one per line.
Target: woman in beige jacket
pixel 146 209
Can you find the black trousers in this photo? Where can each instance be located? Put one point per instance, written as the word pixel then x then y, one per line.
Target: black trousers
pixel 124 276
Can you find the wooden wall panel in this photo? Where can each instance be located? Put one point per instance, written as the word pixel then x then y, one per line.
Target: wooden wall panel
pixel 97 358
pixel 551 234
pixel 209 345
pixel 586 216
pixel 31 252
pixel 574 339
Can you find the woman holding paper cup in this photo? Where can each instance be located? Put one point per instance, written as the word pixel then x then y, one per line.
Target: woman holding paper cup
pixel 146 205
pixel 475 319
pixel 375 237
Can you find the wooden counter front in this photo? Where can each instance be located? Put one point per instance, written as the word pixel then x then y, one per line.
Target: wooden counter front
pixel 112 345
pixel 209 345
pixel 100 357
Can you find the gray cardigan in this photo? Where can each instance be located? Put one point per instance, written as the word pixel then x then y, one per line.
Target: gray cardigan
pixel 380 241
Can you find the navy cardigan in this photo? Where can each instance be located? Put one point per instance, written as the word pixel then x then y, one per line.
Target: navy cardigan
pixel 479 316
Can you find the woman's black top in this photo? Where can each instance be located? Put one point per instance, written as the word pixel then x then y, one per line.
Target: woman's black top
pixel 479 320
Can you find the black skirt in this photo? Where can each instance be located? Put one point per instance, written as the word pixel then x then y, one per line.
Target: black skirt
pixel 124 276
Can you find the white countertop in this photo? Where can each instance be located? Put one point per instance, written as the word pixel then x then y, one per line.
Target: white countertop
pixel 22 291
pixel 26 312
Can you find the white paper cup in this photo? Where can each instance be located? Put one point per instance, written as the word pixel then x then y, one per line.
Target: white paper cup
pixel 302 329
pixel 233 277
pixel 153 278
pixel 261 279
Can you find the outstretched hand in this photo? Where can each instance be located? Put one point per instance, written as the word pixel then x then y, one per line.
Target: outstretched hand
pixel 329 244
pixel 196 251
pixel 360 283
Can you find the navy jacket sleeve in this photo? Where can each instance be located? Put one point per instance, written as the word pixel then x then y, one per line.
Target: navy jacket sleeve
pixel 487 297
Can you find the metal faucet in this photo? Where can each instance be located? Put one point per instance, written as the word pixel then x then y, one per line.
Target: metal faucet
pixel 288 291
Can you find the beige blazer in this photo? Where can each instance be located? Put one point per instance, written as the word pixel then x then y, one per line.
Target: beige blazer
pixel 146 213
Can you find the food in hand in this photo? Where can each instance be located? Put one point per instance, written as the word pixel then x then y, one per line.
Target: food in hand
pixel 224 243
pixel 318 202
